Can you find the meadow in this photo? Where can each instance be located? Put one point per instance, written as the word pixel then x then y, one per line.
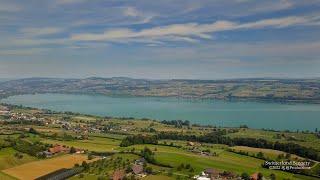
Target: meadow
pixel 8 158
pixel 225 161
pixel 171 154
pixel 302 138
pixel 99 144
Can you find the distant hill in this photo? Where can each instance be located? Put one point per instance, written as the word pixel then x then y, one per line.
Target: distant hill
pixel 264 89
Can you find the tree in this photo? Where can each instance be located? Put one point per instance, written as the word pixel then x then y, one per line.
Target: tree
pixel 90 156
pixel 245 176
pixel 272 176
pixel 182 165
pixel 149 170
pixel 260 155
pixel 33 131
pixel 179 168
pixel 148 155
pixel 73 150
pixel 288 156
pixel 85 165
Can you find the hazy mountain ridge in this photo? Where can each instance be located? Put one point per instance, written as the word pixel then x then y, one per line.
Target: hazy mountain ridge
pixel 259 88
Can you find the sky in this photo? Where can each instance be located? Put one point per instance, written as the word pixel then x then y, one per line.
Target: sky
pixel 167 39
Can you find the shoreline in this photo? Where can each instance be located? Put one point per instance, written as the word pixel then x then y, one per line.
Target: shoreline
pixel 240 126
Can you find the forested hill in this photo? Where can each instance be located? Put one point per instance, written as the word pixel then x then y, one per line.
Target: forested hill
pixel 306 90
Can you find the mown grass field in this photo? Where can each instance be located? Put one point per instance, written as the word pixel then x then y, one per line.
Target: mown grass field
pixel 304 139
pixel 158 177
pixel 99 144
pixel 225 161
pixel 36 169
pixel 268 153
pixel 8 160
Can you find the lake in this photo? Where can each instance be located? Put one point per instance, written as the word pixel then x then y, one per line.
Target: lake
pixel 214 112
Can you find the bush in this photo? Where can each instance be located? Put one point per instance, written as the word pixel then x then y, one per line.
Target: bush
pixel 245 176
pixel 272 176
pixel 149 170
pixel 90 156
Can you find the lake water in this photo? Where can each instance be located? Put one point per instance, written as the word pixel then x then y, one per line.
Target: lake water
pixel 215 112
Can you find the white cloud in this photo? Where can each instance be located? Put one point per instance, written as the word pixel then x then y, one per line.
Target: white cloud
pixel 131 11
pixel 138 16
pixel 269 6
pixel 41 31
pixel 278 22
pixel 177 30
pixel 189 31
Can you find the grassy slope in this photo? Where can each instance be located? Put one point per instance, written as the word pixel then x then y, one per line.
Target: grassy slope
pixel 95 174
pixel 4 176
pixel 309 140
pixel 158 177
pixel 8 160
pixel 269 153
pixel 225 161
pixel 93 144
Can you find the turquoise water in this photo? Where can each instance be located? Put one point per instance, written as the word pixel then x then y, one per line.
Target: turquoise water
pixel 215 112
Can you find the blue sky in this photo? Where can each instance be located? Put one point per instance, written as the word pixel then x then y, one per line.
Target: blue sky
pixel 207 39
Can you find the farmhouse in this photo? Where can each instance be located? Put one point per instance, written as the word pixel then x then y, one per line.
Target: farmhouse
pixel 46 154
pixel 3 112
pixel 58 149
pixel 140 161
pixel 118 174
pixel 202 176
pixel 212 173
pixel 189 143
pixel 79 151
pixel 138 170
pixel 254 176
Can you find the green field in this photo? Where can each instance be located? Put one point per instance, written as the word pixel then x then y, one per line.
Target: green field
pixel 106 136
pixel 225 161
pixel 4 176
pixel 267 153
pixel 7 158
pixel 158 177
pixel 99 144
pixel 95 173
pixel 304 139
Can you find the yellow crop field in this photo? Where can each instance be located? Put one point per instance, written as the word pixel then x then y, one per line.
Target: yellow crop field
pixel 36 169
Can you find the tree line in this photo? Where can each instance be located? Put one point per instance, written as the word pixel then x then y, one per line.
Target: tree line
pixel 218 137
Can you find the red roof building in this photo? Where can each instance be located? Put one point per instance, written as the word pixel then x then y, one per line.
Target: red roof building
pixel 254 176
pixel 137 169
pixel 118 174
pixel 58 149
